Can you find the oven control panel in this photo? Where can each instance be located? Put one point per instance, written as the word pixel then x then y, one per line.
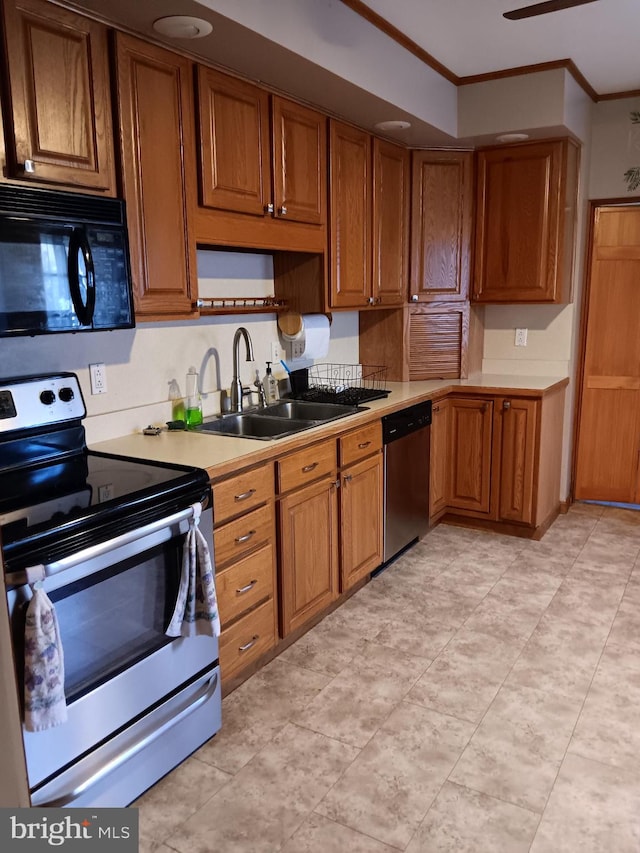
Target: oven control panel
pixel 36 401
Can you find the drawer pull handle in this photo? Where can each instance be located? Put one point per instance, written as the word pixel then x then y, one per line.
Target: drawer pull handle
pixel 308 468
pixel 245 538
pixel 251 642
pixel 246 588
pixel 245 495
pixel 363 444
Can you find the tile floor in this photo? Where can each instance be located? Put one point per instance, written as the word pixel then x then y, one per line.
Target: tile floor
pixel 481 694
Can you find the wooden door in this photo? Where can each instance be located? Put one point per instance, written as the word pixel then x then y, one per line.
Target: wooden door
pixel 360 520
pixel 235 171
pixel 440 458
pixel 350 216
pixel 471 430
pixel 158 174
pixel 390 223
pixel 308 524
pixel 60 97
pixel 518 454
pixel 441 217
pixel 299 162
pixel 522 221
pixel 608 447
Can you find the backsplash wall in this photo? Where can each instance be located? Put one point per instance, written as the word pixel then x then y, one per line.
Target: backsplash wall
pixel 142 362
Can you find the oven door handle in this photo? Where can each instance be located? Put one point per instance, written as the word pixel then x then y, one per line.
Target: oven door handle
pixel 32 574
pixel 204 694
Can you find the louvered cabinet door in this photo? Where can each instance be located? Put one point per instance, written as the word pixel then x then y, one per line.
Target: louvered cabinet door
pixel 437 340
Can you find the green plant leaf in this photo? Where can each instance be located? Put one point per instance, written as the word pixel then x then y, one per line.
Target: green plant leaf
pixel 632 177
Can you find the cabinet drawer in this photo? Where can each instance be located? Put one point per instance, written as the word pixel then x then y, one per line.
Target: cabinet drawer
pixel 248 639
pixel 360 443
pixel 242 493
pixel 238 537
pixel 306 465
pixel 245 583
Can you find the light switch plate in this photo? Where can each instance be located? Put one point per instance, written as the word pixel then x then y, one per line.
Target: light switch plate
pixel 275 353
pixel 521 337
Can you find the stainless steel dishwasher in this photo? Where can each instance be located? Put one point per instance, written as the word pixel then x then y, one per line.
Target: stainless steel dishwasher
pixel 405 436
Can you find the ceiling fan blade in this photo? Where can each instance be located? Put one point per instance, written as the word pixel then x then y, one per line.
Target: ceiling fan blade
pixel 543 8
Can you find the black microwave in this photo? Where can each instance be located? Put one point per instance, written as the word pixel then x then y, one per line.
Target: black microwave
pixel 64 263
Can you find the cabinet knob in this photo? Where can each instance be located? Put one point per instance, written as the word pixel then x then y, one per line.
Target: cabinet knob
pixel 348 478
pixel 506 404
pixel 414 297
pixel 282 211
pixel 268 208
pixel 29 166
pixel 370 300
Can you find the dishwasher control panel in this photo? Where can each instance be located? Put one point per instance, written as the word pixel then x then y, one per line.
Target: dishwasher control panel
pixel 406 421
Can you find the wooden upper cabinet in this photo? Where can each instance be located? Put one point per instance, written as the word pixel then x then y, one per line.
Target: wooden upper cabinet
pixel 299 162
pixel 349 216
pixel 441 225
pixel 390 222
pixel 526 203
pixel 246 169
pixel 158 175
pixel 60 129
pixel 235 171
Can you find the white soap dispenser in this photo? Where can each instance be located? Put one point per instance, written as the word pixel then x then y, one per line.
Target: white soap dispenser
pixel 270 385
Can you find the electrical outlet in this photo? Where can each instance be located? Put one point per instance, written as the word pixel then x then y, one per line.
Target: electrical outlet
pixel 521 337
pixel 98 374
pixel 275 353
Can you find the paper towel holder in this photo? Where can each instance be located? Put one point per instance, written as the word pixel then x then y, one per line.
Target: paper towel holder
pixel 290 323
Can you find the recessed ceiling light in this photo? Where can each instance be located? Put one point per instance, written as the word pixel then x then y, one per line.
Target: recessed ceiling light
pixel 182 27
pixel 512 137
pixel 392 125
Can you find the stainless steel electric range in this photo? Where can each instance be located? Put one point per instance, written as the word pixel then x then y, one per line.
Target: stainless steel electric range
pixel 103 534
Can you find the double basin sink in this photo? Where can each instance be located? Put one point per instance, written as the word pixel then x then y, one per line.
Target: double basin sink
pixel 277 420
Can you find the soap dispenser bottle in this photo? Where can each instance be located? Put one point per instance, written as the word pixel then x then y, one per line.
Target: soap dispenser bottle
pixel 270 385
pixel 193 405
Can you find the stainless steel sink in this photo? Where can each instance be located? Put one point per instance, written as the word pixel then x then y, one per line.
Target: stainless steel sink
pixel 286 417
pixel 307 410
pixel 254 425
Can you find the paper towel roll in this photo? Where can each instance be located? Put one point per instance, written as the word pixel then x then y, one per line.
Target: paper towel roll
pixel 316 331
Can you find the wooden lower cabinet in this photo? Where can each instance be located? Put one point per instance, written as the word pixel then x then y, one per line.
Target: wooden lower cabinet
pixel 440 454
pixel 504 457
pixel 244 642
pixel 471 432
pixel 244 547
pixel 361 499
pixel 308 528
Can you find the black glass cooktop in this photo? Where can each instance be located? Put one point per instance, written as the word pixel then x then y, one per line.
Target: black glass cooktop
pixel 86 495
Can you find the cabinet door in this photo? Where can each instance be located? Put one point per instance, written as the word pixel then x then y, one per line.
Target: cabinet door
pixel 60 97
pixel 438 338
pixel 299 162
pixel 520 223
pixel 360 520
pixel 440 458
pixel 234 143
pixel 158 172
pixel 517 458
pixel 441 212
pixel 471 423
pixel 350 216
pixel 308 524
pixel 390 222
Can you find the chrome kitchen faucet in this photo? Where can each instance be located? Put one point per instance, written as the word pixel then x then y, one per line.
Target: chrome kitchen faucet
pixel 236 384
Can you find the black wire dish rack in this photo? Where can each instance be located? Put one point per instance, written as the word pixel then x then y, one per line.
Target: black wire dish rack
pixel 349 384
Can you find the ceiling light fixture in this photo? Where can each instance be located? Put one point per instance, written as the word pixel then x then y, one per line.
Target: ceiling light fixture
pixel 182 27
pixel 392 125
pixel 512 137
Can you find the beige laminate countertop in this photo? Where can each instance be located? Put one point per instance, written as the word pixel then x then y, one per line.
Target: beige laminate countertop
pixel 222 455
